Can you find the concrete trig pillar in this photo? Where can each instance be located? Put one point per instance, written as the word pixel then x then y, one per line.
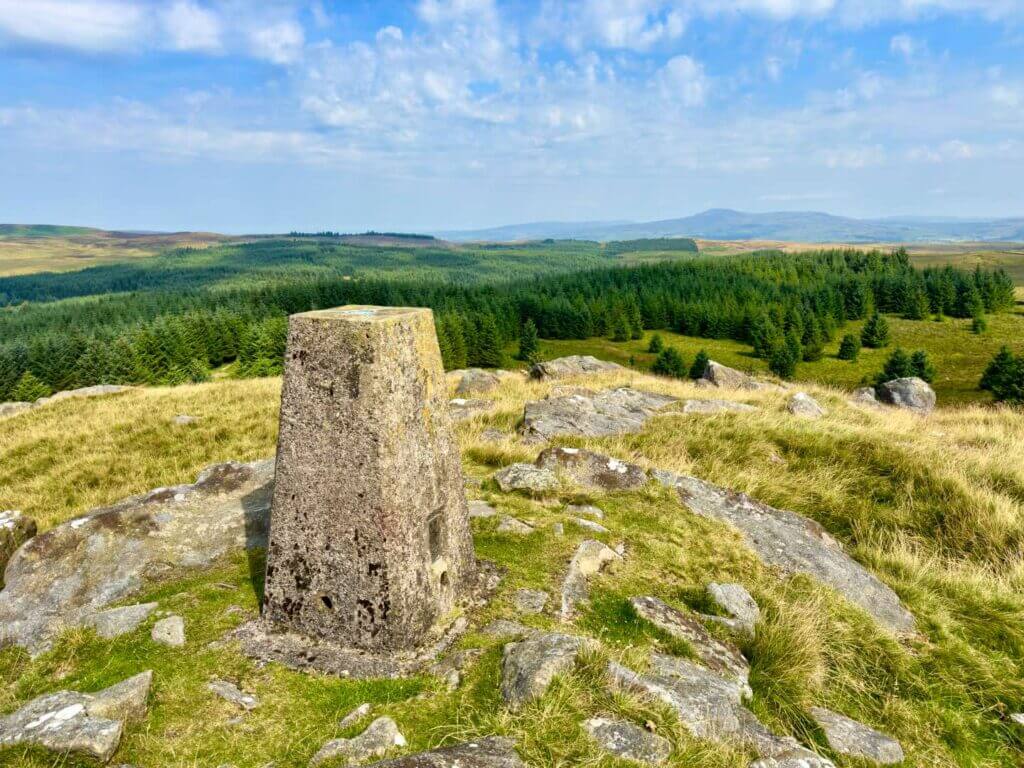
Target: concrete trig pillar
pixel 369 535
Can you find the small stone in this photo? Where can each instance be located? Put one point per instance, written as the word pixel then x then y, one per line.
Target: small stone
pixel 481 509
pixel 380 736
pixel 530 600
pixel 453 679
pixel 514 526
pixel 590 557
pixel 848 737
pixel 354 716
pixel 506 628
pixel 558 529
pixel 585 510
pixel 590 525
pixel 183 420
pixel 737 602
pixel 115 622
pixel 231 693
pixel 491 752
pixel 1018 718
pixel 803 405
pixel 628 741
pixel 526 477
pixel 169 631
pixel 529 666
pixel 716 406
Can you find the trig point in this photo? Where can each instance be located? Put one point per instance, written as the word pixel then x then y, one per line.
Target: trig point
pixel 369 534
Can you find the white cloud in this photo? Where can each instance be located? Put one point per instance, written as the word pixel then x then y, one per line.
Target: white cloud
pixel 85 25
pixel 853 158
pixel 683 78
pixel 904 45
pixel 1006 96
pixel 278 42
pixel 191 27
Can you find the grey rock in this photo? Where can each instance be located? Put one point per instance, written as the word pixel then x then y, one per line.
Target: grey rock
pixel 463 409
pixel 491 752
pixel 591 469
pixel 590 557
pixel 13 409
pixel 803 405
pixel 716 406
pixel 115 622
pixel 729 378
pixel 169 631
pixel 15 529
pixel 722 658
pixel 231 693
pixel 355 715
pixel 611 412
pixel 183 420
pixel 512 525
pixel 793 544
pixel 380 736
pixel 526 477
pixel 558 529
pixel 848 737
pixel 493 435
pixel 476 381
pixel 95 391
pixel 530 600
pixel 529 665
pixel 590 525
pixel 735 600
pixel 573 365
pixel 506 628
pixel 864 396
pixel 585 510
pixel 565 390
pixel 83 723
pixel 797 758
pixel 1018 718
pixel 911 393
pixel 481 509
pixel 62 577
pixel 628 741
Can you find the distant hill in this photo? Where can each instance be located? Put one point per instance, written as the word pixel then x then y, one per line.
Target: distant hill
pixel 44 230
pixel 796 226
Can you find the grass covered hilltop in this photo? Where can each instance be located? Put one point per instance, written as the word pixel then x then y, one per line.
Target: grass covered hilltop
pixel 933 506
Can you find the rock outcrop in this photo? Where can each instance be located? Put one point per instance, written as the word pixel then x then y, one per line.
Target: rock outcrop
pixel 528 478
pixel 380 736
pixel 723 377
pixel 529 665
pixel 611 412
pixel 574 365
pixel 515 526
pixel 492 752
pixel 848 737
pixel 737 602
pixel 88 724
pixel 115 622
pixel 628 741
pixel 590 557
pixel 530 601
pixel 591 469
pixel 15 530
pixel 716 406
pixel 803 405
pixel 13 409
pixel 475 381
pixel 463 409
pixel 911 393
pixel 62 577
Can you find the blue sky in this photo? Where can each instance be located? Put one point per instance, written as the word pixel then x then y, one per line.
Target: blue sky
pixel 245 116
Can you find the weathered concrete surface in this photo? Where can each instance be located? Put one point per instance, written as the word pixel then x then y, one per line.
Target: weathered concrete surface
pixel 628 741
pixel 848 737
pixel 380 736
pixel 528 666
pixel 720 657
pixel 15 530
pixel 526 477
pixel 573 365
pixel 491 752
pixel 794 544
pixel 62 577
pixel 369 543
pixel 83 723
pixel 803 405
pixel 716 406
pixel 611 412
pixel 592 469
pixel 590 557
pixel 911 393
pixel 735 600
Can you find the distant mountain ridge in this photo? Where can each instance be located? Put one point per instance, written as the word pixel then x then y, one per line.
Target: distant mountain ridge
pixel 797 226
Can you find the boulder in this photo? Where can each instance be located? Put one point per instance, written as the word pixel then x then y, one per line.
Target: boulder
pixel 723 377
pixel 475 381
pixel 591 469
pixel 169 631
pixel 793 544
pixel 506 628
pixel 565 390
pixel 574 365
pixel 82 723
pixel 13 409
pixel 723 658
pixel 530 600
pixel 64 576
pixel 803 405
pixel 515 526
pixel 481 509
pixel 628 741
pixel 526 477
pixel 463 409
pixel 611 412
pixel 528 666
pixel 590 525
pixel 591 556
pixel 15 530
pixel 716 406
pixel 585 510
pixel 231 693
pixel 491 752
pixel 864 396
pixel 380 736
pixel 95 391
pixel 848 737
pixel 737 602
pixel 911 393
pixel 115 622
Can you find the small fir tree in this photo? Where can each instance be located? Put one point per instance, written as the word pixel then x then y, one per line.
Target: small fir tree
pixel 979 324
pixel 700 365
pixel 29 389
pixel 875 333
pixel 921 366
pixel 1004 377
pixel 849 348
pixel 898 366
pixel 670 363
pixel 529 345
pixel 655 345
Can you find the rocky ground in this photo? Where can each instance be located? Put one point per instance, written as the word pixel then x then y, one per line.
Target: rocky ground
pixel 726 573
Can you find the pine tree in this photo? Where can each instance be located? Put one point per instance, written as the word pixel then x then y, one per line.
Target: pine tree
pixel 670 363
pixel 529 346
pixel 700 365
pixel 1004 377
pixel 813 343
pixel 655 345
pixel 875 333
pixel 921 366
pixel 849 348
pixel 917 306
pixel 620 328
pixel 783 361
pixel 197 371
pixel 488 346
pixel 29 389
pixel 898 366
pixel 979 324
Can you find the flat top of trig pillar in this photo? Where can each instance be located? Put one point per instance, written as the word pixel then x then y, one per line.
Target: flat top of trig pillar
pixel 358 313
